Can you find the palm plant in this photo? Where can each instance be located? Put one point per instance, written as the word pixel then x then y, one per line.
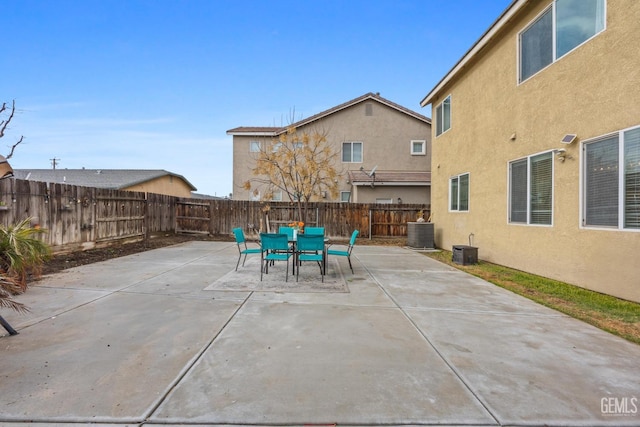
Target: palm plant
pixel 21 253
pixel 8 288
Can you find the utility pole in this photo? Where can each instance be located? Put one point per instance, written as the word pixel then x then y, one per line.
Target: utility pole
pixel 54 162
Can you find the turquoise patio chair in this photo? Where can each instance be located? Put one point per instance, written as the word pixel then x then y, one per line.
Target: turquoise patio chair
pixel 275 247
pixel 288 231
pixel 310 248
pixel 314 231
pixel 346 252
pixel 243 249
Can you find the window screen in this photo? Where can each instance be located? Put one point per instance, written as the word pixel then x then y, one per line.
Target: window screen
pixel 454 193
pixel 612 181
pixel 536 46
pixel 541 189
pixel 418 147
pixel 464 192
pixel 531 190
pixel 352 152
pixel 443 116
pixel 632 178
pixel 254 147
pixel 601 186
pixel 459 193
pixel 518 191
pixel 576 21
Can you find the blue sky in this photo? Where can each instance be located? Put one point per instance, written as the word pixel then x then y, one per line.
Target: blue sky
pixel 155 84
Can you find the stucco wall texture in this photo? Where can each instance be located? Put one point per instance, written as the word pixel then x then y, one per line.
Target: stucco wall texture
pixel 164 185
pixel 386 137
pixel 591 91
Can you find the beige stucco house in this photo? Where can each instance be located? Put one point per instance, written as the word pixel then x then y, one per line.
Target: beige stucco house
pixel 536 144
pixel 373 134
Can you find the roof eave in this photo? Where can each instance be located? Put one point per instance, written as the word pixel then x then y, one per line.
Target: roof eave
pixel 506 16
pixel 186 181
pixel 391 183
pixel 252 133
pixel 358 100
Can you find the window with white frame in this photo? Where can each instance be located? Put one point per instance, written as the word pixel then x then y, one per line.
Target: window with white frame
pixel 276 196
pixel 611 181
pixel 531 190
pixel 418 147
pixel 254 146
pixel 565 25
pixel 345 196
pixel 352 152
pixel 443 116
pixel 255 195
pixel 459 193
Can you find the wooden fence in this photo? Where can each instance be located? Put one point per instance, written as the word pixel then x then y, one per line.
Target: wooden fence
pixel 339 219
pixel 82 217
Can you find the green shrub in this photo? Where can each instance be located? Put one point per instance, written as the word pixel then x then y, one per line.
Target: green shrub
pixel 21 254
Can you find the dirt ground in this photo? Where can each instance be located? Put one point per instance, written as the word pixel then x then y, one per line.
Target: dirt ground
pixel 75 259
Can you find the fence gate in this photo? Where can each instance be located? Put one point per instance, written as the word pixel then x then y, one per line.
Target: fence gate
pixel 391 221
pixel 193 217
pixel 118 216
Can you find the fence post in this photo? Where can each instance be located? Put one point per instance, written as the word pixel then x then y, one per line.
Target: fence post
pixel 146 221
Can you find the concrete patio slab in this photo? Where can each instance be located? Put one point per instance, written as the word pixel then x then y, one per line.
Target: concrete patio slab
pixel 112 359
pixel 553 371
pixel 324 364
pixel 429 289
pixel 121 274
pixel 137 341
pixel 47 302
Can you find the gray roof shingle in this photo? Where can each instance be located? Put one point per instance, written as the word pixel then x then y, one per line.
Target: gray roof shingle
pixel 114 179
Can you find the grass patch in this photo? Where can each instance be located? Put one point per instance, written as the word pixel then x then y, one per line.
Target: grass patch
pixel 606 312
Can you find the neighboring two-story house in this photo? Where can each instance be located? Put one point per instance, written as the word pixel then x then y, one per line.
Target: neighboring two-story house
pixel 536 147
pixel 385 151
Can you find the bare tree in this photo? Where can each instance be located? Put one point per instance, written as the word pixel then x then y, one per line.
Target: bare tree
pixel 299 164
pixel 6 115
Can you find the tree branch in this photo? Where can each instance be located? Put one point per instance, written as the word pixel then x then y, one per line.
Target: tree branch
pixel 5 123
pixel 13 147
